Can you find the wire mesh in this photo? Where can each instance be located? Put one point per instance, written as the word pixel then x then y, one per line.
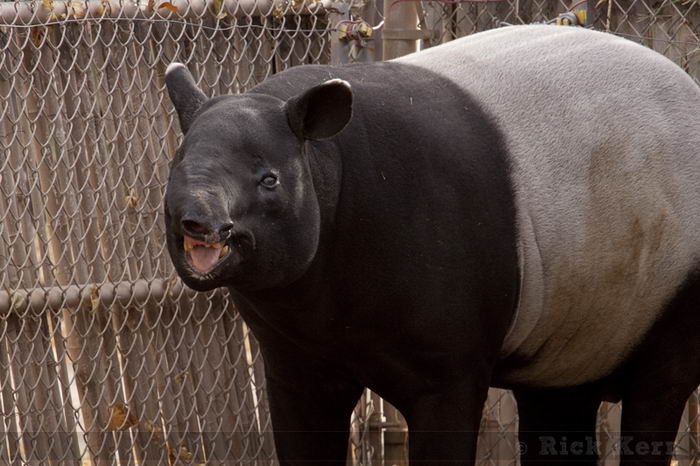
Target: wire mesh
pixel 671 27
pixel 105 358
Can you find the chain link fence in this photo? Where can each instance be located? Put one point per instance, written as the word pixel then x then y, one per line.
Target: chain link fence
pixel 105 358
pixel 671 27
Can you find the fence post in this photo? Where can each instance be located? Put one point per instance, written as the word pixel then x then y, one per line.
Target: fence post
pixel 340 50
pixel 694 426
pixel 344 49
pixel 400 34
pixel 586 12
pixel 395 433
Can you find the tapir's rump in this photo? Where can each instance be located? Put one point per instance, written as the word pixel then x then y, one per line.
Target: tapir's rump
pixel 603 136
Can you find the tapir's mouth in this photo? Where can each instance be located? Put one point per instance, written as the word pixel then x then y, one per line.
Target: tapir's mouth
pixel 204 257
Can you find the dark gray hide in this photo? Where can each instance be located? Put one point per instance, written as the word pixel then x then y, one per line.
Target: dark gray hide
pixel 519 208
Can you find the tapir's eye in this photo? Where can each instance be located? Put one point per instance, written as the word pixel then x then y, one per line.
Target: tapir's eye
pixel 269 180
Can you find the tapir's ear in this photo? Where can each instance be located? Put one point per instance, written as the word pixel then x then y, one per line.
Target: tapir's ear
pixel 322 111
pixel 184 93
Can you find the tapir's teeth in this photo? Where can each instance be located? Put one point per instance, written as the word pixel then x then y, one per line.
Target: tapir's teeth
pixel 224 251
pixel 189 244
pixel 209 245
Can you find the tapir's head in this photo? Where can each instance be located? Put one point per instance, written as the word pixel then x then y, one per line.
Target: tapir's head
pixel 241 208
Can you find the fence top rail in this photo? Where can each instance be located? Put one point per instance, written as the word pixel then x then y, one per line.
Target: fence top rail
pixel 39 12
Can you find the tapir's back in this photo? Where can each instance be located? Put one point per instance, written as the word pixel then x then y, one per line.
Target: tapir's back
pixel 604 141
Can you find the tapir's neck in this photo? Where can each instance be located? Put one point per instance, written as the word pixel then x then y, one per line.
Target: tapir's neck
pixel 302 309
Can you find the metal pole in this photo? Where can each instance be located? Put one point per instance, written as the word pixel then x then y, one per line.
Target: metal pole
pixel 40 299
pixel 37 12
pixel 340 50
pixel 353 40
pixel 400 34
pixel 585 11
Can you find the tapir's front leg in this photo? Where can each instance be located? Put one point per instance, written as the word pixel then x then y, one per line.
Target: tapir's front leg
pixel 310 405
pixel 443 427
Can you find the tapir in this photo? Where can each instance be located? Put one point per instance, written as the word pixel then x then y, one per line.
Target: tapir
pixel 519 208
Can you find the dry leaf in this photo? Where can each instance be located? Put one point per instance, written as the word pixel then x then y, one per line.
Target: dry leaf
pixel 132 199
pixel 19 300
pixel 151 4
pixel 94 299
pixel 181 377
pixel 149 426
pixel 106 6
pixel 217 7
pixel 48 4
pixel 171 285
pixel 37 35
pixel 169 6
pixel 133 319
pixel 278 12
pixel 77 9
pixel 120 418
pixel 185 454
pixel 154 429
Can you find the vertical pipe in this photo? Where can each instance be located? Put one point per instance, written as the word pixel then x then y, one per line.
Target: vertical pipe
pixel 694 427
pixel 399 17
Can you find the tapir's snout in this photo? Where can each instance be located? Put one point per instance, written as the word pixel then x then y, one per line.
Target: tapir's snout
pixel 206 229
pixel 198 210
pixel 202 231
